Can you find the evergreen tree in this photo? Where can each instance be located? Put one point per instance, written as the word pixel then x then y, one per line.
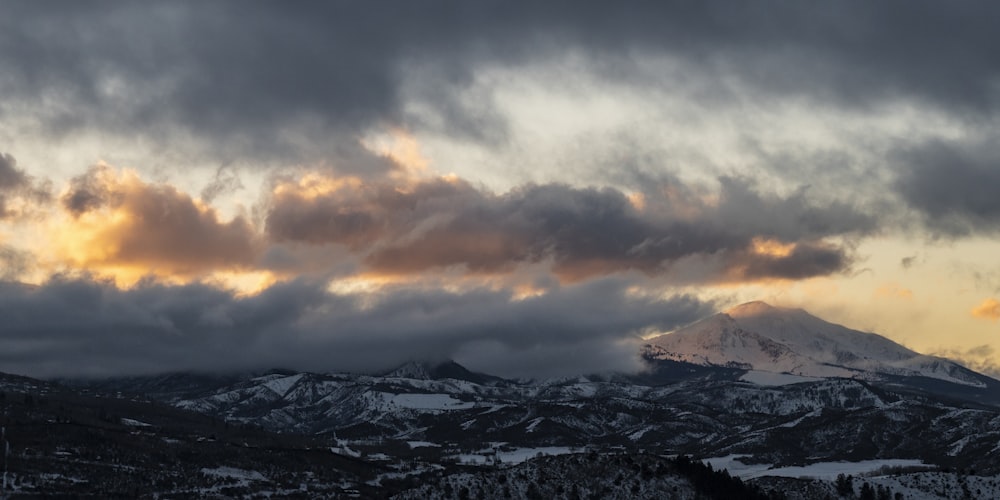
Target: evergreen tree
pixel 845 485
pixel 867 492
pixel 883 493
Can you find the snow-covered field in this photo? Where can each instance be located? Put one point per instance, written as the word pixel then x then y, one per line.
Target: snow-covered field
pixel 819 470
pixel 428 402
pixel 233 473
pixel 515 456
pixel 422 444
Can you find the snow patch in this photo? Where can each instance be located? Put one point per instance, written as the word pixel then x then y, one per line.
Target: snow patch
pixel 534 423
pixel 234 473
pixel 637 435
pixel 422 444
pixel 343 448
pixel 793 423
pixel 959 445
pixel 282 385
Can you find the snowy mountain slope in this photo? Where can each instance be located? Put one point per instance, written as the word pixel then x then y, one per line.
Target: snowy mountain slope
pixel 696 410
pixel 825 419
pixel 757 336
pixel 777 385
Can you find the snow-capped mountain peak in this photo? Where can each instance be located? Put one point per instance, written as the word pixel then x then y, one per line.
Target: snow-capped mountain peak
pixel 754 308
pixel 759 336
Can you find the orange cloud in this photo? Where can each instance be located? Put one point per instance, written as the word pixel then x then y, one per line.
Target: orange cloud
pixel 989 309
pixel 771 248
pixel 120 224
pixel 892 290
pixel 638 200
pixel 402 148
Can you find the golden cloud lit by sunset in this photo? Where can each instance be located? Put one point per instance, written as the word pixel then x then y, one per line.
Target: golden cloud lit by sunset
pixel 988 309
pixel 772 248
pixel 114 223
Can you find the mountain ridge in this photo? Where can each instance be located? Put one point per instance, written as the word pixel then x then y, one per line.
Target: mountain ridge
pixel 386 432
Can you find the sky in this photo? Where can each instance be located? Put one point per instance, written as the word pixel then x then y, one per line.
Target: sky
pixel 527 188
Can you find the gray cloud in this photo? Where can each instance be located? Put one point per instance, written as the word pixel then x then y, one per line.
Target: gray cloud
pixel 13 262
pixel 10 176
pixel 11 180
pixel 953 185
pixel 793 217
pixel 15 183
pixel 236 72
pixel 103 330
pixel 226 181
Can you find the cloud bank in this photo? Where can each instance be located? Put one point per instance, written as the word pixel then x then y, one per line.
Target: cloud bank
pixel 150 328
pixel 818 128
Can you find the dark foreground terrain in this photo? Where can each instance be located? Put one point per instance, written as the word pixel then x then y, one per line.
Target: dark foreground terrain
pixel 432 432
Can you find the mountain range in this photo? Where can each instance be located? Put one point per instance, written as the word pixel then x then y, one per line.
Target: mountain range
pixel 766 392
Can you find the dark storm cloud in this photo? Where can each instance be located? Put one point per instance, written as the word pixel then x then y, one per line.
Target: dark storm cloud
pixel 584 232
pixel 236 72
pixel 804 261
pixel 955 186
pixel 153 327
pixel 264 81
pixel 10 176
